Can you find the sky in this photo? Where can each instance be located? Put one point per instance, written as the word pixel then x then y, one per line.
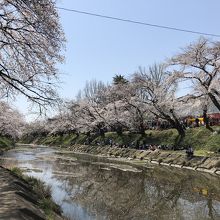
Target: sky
pixel 99 49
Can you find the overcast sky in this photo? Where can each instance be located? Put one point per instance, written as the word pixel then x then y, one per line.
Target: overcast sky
pixel 98 48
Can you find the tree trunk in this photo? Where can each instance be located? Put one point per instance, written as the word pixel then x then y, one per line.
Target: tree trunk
pixel 181 131
pixel 102 132
pixel 119 130
pixel 141 129
pixel 206 119
pixel 176 124
pixel 214 100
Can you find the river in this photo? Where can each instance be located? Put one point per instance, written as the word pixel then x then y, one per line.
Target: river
pixel 88 187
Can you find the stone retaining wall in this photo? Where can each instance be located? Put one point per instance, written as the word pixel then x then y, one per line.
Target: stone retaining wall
pixel 175 158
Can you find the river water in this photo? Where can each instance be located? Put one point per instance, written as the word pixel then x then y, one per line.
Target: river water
pixel 88 187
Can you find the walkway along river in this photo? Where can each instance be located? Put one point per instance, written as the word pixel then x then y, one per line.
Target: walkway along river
pixel 91 187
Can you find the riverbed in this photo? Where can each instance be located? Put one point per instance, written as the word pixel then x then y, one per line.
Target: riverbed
pixel 89 187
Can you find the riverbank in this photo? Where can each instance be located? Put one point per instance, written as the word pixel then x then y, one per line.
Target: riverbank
pixel 167 158
pixel 201 139
pixel 23 197
pixel 19 201
pixel 206 146
pixel 5 144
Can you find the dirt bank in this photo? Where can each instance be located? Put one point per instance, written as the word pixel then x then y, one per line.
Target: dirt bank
pixel 18 201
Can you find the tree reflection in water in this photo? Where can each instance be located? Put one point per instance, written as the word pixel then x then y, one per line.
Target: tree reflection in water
pixel 92 188
pixel 159 193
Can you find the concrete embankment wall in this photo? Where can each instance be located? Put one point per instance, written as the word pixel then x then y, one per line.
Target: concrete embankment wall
pixel 174 158
pixel 18 200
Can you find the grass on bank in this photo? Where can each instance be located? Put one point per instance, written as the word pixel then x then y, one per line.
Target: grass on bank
pixel 42 191
pixel 201 139
pixel 5 143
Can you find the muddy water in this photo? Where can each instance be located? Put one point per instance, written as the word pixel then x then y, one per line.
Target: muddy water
pixel 95 188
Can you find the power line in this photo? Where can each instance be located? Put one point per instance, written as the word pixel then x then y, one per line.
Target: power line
pixel 138 22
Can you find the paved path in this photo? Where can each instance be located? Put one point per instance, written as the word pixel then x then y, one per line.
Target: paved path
pixel 17 201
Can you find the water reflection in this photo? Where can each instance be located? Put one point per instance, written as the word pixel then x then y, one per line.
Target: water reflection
pixel 89 188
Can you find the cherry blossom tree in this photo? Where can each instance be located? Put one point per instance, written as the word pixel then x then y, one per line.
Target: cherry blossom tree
pixel 36 129
pixel 200 63
pixel 157 90
pixel 124 109
pixel 31 39
pixel 93 91
pixel 89 107
pixel 116 112
pixel 11 122
pixel 86 116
